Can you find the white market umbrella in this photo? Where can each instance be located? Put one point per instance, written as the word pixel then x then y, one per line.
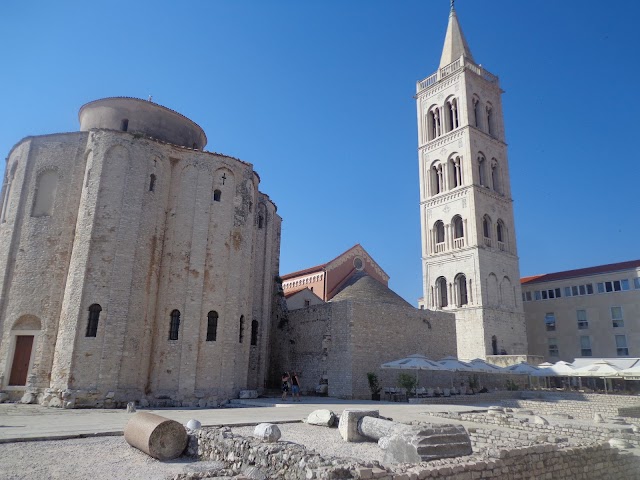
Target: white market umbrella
pixel 558 369
pixel 454 365
pixel 598 369
pixel 522 368
pixel 633 372
pixel 415 362
pixel 480 366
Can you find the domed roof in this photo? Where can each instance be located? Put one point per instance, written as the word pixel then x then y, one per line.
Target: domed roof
pixel 363 288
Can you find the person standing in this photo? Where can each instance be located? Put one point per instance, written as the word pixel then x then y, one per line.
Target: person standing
pixel 295 387
pixel 285 386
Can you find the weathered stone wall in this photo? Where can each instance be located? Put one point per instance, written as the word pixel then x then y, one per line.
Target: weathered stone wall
pixel 580 405
pixel 134 227
pixel 579 432
pixel 342 341
pixel 534 461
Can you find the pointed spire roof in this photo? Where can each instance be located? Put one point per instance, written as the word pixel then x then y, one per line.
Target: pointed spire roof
pixel 455 44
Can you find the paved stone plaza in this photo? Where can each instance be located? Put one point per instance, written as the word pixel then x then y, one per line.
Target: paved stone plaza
pixel 508 442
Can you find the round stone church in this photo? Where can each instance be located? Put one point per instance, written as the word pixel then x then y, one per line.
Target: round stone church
pixel 134 265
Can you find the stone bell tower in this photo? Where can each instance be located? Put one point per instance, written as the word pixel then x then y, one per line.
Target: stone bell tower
pixel 469 257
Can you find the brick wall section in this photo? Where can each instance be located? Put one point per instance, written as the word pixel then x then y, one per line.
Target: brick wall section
pixel 292 461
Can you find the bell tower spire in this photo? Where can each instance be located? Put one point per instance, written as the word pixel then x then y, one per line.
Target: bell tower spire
pixel 455 45
pixel 469 257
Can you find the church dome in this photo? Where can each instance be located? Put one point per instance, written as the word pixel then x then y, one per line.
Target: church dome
pixel 364 288
pixel 142 116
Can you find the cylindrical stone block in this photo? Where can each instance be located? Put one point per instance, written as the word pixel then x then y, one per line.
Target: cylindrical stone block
pixel 156 436
pixel 376 428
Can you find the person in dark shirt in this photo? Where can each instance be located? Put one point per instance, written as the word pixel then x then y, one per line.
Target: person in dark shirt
pixel 285 386
pixel 295 387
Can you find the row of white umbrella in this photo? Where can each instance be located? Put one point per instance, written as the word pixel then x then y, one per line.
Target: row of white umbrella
pixel 599 368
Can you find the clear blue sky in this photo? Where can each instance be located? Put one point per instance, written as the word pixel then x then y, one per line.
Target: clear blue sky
pixel 318 96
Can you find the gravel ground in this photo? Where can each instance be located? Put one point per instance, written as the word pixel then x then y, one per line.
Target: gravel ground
pixel 323 440
pixel 95 458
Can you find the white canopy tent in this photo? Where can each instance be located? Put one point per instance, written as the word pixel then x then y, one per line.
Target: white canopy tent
pixel 415 362
pixel 598 369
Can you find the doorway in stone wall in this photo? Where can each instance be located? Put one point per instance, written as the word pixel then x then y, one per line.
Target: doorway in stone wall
pixel 21 360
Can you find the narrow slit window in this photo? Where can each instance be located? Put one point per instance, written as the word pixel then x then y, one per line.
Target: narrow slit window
pixel 124 126
pixel 174 325
pixel 241 334
pixel 254 332
pixel 152 182
pixel 217 195
pixel 212 326
pixel 94 317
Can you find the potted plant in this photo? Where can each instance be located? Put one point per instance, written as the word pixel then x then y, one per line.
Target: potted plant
pixel 374 386
pixel 409 383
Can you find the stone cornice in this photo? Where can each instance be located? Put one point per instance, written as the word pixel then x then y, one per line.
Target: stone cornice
pixel 450 196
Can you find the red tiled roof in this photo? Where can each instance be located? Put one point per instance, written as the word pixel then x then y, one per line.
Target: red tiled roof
pixel 303 272
pixel 294 291
pixel 580 272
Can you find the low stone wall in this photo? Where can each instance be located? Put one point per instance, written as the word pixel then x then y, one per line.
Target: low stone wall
pixel 578 405
pixel 489 397
pixel 584 433
pixel 286 461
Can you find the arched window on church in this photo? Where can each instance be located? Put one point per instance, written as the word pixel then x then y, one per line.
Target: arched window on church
pixel 8 182
pixel 441 292
pixel 486 230
pixel 490 125
pixel 452 114
pixel 495 176
pixel 501 235
pixel 92 323
pixel 476 112
pixel 212 326
pixel 458 231
pixel 438 231
pixel 45 195
pixel 174 325
pixel 254 332
pixel 455 170
pixel 482 170
pixel 435 127
pixel 461 289
pixel 437 178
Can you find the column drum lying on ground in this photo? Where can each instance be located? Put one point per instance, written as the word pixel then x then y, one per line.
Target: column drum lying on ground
pixel 156 436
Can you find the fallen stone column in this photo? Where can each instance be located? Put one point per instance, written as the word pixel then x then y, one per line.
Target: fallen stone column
pixel 405 443
pixel 156 436
pixel 376 428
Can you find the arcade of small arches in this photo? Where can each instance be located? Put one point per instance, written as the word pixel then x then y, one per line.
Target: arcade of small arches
pixel 459 293
pixel 452 236
pixel 497 234
pixel 448 237
pixel 438 120
pixel 441 119
pixel 483 117
pixel 303 281
pixel 444 176
pixel 451 294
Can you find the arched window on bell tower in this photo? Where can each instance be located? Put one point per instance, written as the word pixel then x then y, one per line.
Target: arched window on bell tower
pixel 486 230
pixel 461 290
pixel 441 292
pixel 451 114
pixel 495 176
pixel 476 112
pixel 438 232
pixel 437 179
pixel 482 170
pixel 490 120
pixel 455 171
pixel 458 231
